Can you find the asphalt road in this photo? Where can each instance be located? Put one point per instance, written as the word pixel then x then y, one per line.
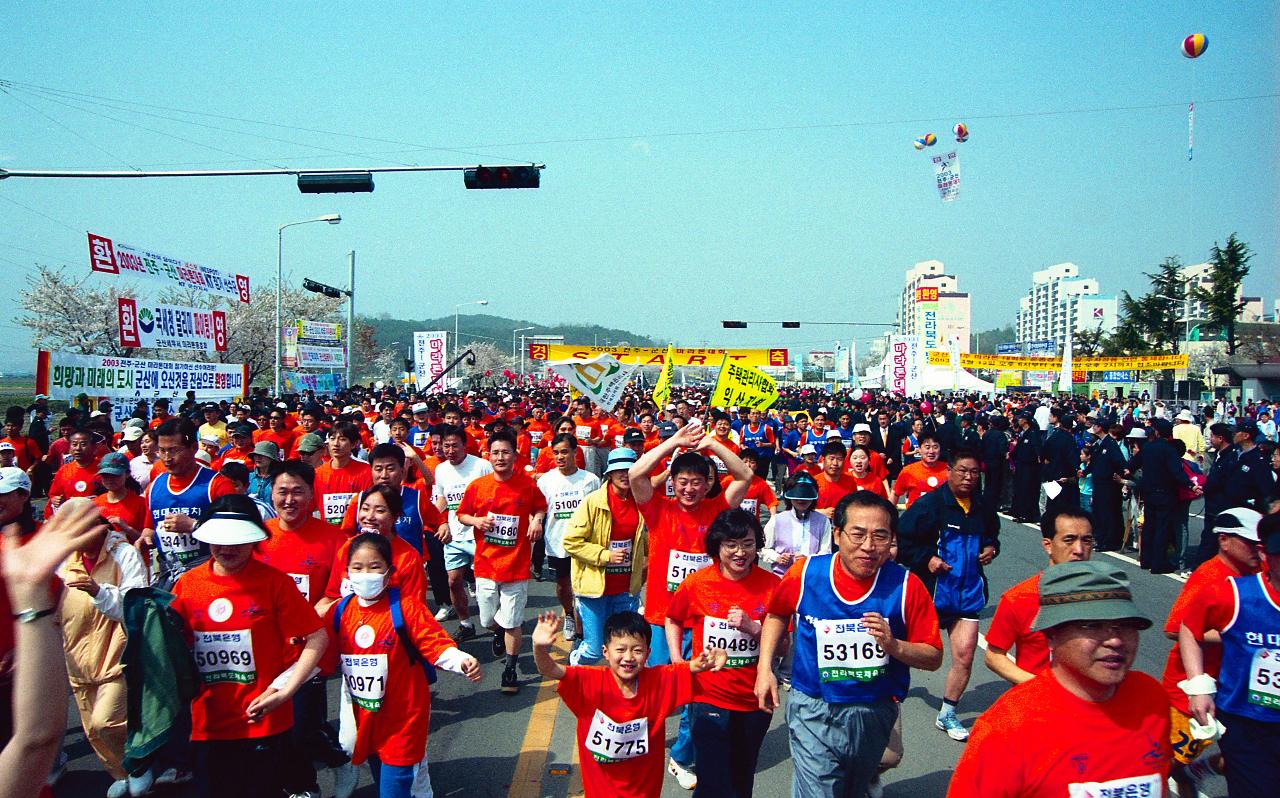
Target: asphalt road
pixel 484 744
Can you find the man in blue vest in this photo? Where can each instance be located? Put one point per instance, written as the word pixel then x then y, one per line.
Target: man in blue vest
pixel 1244 612
pixel 862 622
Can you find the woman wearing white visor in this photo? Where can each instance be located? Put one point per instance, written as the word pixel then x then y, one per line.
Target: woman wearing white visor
pixel 242 615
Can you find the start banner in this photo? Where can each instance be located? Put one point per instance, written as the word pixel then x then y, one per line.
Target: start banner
pixel 656 356
pixel 61 375
pixel 117 257
pixel 1137 362
pixel 156 326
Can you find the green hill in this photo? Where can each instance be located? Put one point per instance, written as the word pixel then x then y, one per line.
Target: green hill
pixel 496 330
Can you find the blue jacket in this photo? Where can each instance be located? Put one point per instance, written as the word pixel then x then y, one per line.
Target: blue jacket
pixel 937 526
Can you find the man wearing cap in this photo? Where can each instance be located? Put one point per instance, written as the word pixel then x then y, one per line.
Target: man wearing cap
pixel 264 456
pixel 1162 476
pixel 862 437
pixel 1219 489
pixel 7 455
pixel 758 436
pixel 1106 464
pixel 1250 481
pixel 1088 726
pixel 277 432
pixel 458 470
pixel 310 449
pixel 1237 555
pixel 1244 611
pixel 421 429
pixel 241 448
pixel 1186 430
pixel 1067 536
pixel 213 424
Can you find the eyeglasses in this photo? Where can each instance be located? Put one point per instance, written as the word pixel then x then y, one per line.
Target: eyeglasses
pixel 170 451
pixel 741 547
pixel 1105 630
pixel 967 472
pixel 859 538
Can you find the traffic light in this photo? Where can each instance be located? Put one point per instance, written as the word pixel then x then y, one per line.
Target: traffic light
pixel 335 183
pixel 790 325
pixel 321 288
pixel 734 325
pixel 502 177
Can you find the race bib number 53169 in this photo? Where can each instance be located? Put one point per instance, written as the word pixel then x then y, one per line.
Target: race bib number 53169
pixel 848 652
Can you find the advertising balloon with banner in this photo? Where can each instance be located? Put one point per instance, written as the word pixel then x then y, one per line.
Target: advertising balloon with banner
pixel 946 173
pixel 601 378
pixel 743 386
pixel 153 325
pixel 662 389
pixel 429 359
pixel 654 356
pixel 116 257
pixel 61 375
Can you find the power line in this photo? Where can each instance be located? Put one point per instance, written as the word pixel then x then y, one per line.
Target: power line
pixel 40 213
pixel 70 130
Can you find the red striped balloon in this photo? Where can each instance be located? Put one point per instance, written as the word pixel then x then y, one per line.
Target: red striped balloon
pixel 1194 45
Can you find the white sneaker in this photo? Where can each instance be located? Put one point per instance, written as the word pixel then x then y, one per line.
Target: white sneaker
pixel 446 612
pixel 174 776
pixel 118 789
pixel 686 778
pixel 141 785
pixel 570 628
pixel 950 724
pixel 875 789
pixel 344 780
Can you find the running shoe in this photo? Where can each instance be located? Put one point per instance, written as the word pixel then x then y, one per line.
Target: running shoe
pixel 1198 771
pixel 466 631
pixel 174 776
pixel 950 724
pixel 345 777
pixel 570 628
pixel 445 613
pixel 118 789
pixel 875 789
pixel 686 778
pixel 499 644
pixel 510 681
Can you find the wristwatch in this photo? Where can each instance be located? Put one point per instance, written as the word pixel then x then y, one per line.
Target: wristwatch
pixel 28 616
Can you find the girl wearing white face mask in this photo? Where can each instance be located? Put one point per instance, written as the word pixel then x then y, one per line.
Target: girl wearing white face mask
pixel 389 691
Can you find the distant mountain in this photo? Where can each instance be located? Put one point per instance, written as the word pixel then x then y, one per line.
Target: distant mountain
pixel 496 330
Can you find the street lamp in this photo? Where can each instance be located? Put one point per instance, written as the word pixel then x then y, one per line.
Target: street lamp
pixel 331 218
pixel 457 308
pixel 516 352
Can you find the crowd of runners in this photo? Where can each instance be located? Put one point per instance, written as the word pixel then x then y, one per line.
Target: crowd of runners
pixel 203 570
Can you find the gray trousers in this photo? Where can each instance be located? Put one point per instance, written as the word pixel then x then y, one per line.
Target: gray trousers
pixel 836 748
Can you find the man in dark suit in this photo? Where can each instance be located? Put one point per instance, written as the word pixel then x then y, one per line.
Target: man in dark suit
pixel 1026 470
pixel 1060 459
pixel 1162 475
pixel 1106 463
pixel 994 446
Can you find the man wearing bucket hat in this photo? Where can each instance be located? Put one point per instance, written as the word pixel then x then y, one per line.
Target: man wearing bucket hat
pixel 242 614
pixel 1245 613
pixel 1088 725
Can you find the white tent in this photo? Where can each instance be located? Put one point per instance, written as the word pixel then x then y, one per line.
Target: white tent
pixel 940 379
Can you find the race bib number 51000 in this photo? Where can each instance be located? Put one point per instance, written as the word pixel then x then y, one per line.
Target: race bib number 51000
pixel 848 652
pixel 613 742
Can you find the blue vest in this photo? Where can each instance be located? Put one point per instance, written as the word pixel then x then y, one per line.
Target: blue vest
pixel 845 677
pixel 420 436
pixel 192 501
pixel 817 439
pixel 753 440
pixel 1249 682
pixel 409 524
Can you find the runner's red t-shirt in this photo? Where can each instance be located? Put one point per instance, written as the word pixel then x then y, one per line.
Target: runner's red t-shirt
pixel 871 482
pixel 759 495
pixel 335 486
pixel 918 479
pixel 133 510
pixel 1011 626
pixel 1194 592
pixel 408 575
pixel 830 493
pixel 241 626
pixel 72 480
pixel 702 604
pixel 626 520
pixel 504 552
pixel 306 554
pixel 25 451
pixel 676 538
pixel 1040 741
pixel 605 723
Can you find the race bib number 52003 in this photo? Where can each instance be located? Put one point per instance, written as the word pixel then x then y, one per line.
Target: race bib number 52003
pixel 613 742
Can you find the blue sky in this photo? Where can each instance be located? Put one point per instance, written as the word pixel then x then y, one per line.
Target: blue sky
pixel 812 209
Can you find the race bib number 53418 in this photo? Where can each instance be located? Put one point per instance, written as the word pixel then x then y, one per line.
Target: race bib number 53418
pixel 1264 678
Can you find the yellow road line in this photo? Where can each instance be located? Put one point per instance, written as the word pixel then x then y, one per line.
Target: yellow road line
pixel 575 772
pixel 526 782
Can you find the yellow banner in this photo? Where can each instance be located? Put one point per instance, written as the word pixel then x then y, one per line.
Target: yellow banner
pixel 743 386
pixel 662 390
pixel 937 357
pixel 655 356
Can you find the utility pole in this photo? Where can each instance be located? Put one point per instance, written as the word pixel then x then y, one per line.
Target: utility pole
pixel 351 312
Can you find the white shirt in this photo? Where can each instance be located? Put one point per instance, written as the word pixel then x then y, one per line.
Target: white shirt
pixel 140 470
pixel 563 495
pixel 381 431
pixel 451 483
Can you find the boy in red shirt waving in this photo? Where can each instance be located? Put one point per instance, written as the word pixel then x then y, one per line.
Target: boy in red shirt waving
pixel 621 708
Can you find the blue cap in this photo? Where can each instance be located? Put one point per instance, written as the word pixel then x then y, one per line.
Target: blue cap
pixel 620 459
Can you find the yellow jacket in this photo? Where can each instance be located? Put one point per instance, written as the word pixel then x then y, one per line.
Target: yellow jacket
pixel 586 541
pixel 92 626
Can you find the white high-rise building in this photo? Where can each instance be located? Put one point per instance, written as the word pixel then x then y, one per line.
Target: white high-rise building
pixel 934 307
pixel 1060 299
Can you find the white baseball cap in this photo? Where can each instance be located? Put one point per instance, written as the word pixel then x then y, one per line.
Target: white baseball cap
pixel 420 407
pixel 229 529
pixel 204 457
pixel 210 438
pixel 1185 415
pixel 1239 521
pixel 862 428
pixel 5 446
pixel 131 433
pixel 808 448
pixel 12 479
